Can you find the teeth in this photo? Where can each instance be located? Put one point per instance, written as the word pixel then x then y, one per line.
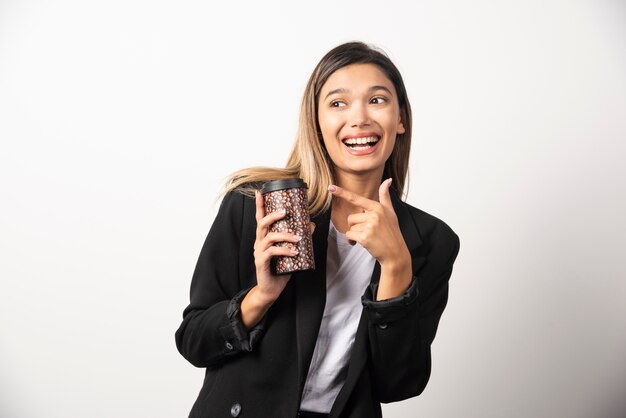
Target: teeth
pixel 365 140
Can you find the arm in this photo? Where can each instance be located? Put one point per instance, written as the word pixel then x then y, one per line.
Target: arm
pixel 402 329
pixel 405 305
pixel 211 330
pixel 228 301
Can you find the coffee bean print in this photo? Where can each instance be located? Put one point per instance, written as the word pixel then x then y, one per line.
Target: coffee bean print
pixel 296 221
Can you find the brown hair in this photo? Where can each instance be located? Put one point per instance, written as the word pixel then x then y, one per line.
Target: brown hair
pixel 309 159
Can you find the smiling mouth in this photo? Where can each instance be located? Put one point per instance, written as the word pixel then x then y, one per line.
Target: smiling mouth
pixel 361 143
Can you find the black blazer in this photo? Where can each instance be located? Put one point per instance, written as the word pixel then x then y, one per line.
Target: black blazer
pixel 261 372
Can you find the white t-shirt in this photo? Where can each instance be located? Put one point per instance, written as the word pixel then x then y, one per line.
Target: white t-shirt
pixel 348 273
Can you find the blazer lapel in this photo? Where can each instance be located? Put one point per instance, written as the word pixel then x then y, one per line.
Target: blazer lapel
pixel 408 228
pixel 310 287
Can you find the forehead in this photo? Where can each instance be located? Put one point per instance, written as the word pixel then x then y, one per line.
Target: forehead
pixel 357 77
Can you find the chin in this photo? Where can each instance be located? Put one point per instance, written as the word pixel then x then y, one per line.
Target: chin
pixel 362 169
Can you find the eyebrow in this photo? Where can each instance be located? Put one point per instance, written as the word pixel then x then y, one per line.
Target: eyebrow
pixel 343 91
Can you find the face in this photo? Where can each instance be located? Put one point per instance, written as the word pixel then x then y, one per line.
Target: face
pixel 359 117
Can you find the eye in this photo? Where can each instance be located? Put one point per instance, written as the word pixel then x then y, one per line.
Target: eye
pixel 378 100
pixel 337 103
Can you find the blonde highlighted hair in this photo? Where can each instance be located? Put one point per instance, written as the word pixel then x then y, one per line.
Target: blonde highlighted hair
pixel 309 159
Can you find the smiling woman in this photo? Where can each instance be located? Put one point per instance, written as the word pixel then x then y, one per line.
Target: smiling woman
pixel 359 118
pixel 356 331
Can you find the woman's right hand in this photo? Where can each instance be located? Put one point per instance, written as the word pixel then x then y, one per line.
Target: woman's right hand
pixel 269 286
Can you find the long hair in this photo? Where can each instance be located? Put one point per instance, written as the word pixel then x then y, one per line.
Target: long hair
pixel 309 159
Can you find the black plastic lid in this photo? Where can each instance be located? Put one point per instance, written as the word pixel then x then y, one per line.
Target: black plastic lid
pixel 273 185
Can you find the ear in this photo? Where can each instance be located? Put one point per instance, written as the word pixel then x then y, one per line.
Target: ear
pixel 400 129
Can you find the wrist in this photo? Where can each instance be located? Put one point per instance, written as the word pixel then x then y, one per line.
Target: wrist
pixel 398 266
pixel 395 278
pixel 260 299
pixel 254 306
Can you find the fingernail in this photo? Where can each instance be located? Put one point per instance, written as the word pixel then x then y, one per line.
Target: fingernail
pixel 294 251
pixel 332 188
pixel 282 211
pixel 297 237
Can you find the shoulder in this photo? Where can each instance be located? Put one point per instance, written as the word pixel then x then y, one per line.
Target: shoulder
pixel 238 207
pixel 428 222
pixel 242 195
pixel 432 230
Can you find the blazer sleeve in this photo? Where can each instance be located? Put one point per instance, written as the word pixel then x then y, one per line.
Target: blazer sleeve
pixel 212 331
pixel 402 329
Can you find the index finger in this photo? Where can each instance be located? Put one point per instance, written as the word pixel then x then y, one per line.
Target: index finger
pixel 353 198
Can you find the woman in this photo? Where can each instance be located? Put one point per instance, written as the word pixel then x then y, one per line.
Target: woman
pixel 356 331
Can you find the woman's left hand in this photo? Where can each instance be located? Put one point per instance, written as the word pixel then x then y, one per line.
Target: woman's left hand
pixel 378 231
pixel 376 228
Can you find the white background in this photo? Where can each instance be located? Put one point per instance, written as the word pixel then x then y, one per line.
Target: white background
pixel 119 121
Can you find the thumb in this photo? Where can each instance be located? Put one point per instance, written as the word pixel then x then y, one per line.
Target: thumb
pixel 383 194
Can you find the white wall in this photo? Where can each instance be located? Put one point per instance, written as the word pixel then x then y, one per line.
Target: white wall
pixel 119 120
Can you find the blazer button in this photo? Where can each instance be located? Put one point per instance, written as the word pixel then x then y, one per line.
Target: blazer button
pixel 229 345
pixel 235 410
pixel 382 326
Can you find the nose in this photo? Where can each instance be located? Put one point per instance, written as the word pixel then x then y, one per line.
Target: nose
pixel 359 115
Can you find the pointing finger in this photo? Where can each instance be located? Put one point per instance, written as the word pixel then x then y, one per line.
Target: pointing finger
pixel 353 198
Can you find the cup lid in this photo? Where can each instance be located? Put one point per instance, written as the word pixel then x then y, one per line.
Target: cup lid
pixel 283 184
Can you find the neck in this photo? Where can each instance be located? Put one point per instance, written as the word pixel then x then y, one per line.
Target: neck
pixel 364 185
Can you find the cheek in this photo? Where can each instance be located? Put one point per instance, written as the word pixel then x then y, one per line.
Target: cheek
pixel 391 120
pixel 329 142
pixel 329 125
